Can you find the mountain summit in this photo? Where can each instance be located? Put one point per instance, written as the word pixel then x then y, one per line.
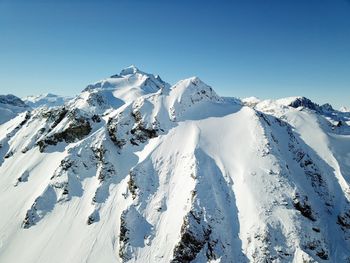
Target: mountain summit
pixel 131 70
pixel 135 170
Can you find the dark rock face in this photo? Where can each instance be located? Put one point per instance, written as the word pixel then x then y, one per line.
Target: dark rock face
pixel 140 133
pixel 96 118
pixel 317 248
pixel 322 254
pixel 123 238
pixel 25 120
pixel 112 132
pixel 93 218
pixel 304 102
pixel 344 220
pixel 302 205
pixel 77 130
pixel 327 107
pixel 59 118
pixel 106 169
pixel 194 235
pixel 132 185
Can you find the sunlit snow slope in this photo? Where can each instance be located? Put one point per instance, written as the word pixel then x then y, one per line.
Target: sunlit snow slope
pixel 136 170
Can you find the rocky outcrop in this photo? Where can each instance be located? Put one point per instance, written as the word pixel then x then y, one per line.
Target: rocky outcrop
pixel 77 129
pixel 301 204
pixel 195 234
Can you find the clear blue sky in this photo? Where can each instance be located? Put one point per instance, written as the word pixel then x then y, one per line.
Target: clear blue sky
pixel 265 48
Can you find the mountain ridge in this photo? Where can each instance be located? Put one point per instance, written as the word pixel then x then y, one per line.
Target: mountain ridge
pixel 136 170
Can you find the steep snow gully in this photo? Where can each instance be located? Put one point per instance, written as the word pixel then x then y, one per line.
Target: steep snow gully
pixel 136 170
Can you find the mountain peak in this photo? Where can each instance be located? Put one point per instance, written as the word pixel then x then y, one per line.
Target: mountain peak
pixel 132 69
pixel 344 109
pixel 299 101
pixel 192 90
pixel 11 100
pixel 192 81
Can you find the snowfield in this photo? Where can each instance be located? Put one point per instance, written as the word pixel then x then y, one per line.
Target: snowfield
pixel 136 170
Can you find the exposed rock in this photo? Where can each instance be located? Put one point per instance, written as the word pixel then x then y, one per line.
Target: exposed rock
pixel 344 220
pixel 96 118
pixel 61 114
pixel 131 185
pixel 76 130
pixel 123 238
pixel 94 217
pixel 22 178
pixel 304 102
pixel 112 131
pixel 41 206
pixel 194 235
pixel 301 204
pixel 322 254
pixel 140 133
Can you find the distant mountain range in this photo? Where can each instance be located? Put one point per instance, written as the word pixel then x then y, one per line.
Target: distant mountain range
pixel 45 100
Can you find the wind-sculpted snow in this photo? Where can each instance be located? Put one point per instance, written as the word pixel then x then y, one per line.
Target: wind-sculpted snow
pixel 136 170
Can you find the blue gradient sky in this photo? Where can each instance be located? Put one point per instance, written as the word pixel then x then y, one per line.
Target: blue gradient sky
pixel 269 49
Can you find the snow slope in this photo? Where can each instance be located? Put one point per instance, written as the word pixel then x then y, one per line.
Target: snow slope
pixel 136 170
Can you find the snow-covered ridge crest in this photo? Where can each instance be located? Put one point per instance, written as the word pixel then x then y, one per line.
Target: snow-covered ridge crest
pixel 136 170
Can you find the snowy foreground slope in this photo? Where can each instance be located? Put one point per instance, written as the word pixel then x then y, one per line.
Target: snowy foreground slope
pixel 136 170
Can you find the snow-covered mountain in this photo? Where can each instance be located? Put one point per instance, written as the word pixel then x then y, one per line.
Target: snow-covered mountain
pixel 344 109
pixel 10 106
pixel 136 170
pixel 45 100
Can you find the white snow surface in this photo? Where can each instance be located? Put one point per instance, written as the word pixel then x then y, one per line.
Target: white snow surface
pixel 136 170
